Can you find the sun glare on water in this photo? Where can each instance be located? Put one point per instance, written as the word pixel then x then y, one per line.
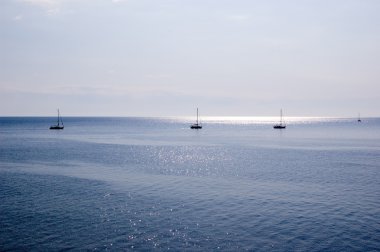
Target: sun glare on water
pixel 256 119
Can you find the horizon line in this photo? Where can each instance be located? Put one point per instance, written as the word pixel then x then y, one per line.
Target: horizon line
pixel 187 116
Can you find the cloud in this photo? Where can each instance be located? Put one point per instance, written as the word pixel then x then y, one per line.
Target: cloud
pixel 18 18
pixel 118 1
pixel 42 3
pixel 52 7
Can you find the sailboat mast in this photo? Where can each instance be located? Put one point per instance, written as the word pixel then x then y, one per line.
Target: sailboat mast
pixel 281 116
pixel 61 119
pixel 58 118
pixel 197 115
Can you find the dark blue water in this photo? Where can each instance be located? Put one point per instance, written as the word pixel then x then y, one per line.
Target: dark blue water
pixel 144 183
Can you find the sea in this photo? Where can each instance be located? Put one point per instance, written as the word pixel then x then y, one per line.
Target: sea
pixel 133 183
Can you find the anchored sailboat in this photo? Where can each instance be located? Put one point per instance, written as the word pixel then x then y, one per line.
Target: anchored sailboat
pixel 359 120
pixel 59 123
pixel 196 125
pixel 280 125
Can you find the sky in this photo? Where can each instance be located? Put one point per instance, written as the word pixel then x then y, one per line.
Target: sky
pixel 168 57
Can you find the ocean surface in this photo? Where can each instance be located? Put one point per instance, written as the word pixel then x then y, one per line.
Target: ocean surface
pixel 153 183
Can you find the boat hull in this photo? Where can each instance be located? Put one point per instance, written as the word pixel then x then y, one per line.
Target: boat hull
pixel 196 126
pixel 56 127
pixel 279 126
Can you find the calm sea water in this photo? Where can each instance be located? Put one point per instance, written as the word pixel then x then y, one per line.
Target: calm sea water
pixel 145 183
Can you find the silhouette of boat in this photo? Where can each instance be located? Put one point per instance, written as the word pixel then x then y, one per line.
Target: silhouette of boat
pixel 359 120
pixel 196 125
pixel 59 125
pixel 280 125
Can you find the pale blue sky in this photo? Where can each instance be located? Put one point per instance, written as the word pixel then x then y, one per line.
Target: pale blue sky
pixel 165 58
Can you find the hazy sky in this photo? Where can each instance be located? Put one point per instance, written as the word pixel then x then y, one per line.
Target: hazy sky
pixel 167 57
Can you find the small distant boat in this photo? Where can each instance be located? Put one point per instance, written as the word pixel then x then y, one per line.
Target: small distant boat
pixel 280 125
pixel 59 125
pixel 196 125
pixel 359 120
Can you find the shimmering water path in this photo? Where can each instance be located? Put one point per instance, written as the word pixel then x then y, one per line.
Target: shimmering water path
pixel 144 183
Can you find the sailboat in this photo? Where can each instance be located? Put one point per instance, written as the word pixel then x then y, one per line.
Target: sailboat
pixel 359 120
pixel 196 125
pixel 280 125
pixel 59 125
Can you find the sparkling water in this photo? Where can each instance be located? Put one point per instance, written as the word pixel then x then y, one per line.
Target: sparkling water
pixel 145 183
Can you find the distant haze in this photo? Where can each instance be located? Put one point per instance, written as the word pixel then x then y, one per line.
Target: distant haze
pixel 166 57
